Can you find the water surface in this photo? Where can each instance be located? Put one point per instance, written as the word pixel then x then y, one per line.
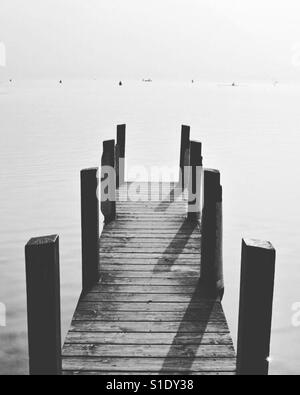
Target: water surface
pixel 49 132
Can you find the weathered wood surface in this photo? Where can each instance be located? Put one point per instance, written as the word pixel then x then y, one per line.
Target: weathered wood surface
pixel 149 313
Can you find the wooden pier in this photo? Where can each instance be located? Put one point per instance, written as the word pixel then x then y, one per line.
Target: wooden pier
pixel 152 292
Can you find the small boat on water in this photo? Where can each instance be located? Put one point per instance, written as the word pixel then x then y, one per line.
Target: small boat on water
pixel 120 83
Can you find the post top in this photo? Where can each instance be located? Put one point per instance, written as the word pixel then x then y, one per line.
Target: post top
pixel 108 144
pixel 215 171
pixel 185 131
pixel 196 142
pixel 43 240
pixel 90 169
pixel 266 245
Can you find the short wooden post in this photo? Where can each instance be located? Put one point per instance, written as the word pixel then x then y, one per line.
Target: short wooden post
pixel 184 150
pixel 256 305
pixel 212 234
pixel 43 305
pixel 120 155
pixel 89 228
pixel 195 181
pixel 108 182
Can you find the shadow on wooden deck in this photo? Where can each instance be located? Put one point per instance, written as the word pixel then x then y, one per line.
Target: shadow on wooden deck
pixel 200 317
pixel 177 244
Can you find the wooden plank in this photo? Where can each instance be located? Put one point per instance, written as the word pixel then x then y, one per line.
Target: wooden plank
pixel 148 204
pixel 146 298
pixel 161 193
pixel 172 257
pixel 154 250
pixel 110 280
pixel 137 261
pixel 120 263
pixel 167 274
pixel 158 327
pixel 149 243
pixel 84 313
pixel 157 209
pixel 183 269
pixel 142 240
pixel 174 219
pixel 148 351
pixel 201 306
pixel 154 196
pixel 150 234
pixel 138 316
pixel 147 259
pixel 169 216
pixel 142 289
pixel 175 225
pixel 162 365
pixel 148 338
pixel 151 221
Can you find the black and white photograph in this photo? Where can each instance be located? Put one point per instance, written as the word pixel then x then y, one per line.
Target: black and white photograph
pixel 149 196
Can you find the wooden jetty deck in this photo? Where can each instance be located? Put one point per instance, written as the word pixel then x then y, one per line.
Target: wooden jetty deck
pixel 152 288
pixel 148 314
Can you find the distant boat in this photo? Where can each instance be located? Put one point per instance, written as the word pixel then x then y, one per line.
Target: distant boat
pixel 120 83
pixel 60 82
pixel 147 80
pixel 234 84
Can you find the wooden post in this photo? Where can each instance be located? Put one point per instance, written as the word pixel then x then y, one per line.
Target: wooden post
pixel 256 304
pixel 184 150
pixel 212 235
pixel 108 182
pixel 89 228
pixel 43 305
pixel 120 155
pixel 195 181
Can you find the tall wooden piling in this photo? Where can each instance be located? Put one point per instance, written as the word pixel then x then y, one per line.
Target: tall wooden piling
pixel 108 181
pixel 43 305
pixel 195 181
pixel 212 234
pixel 120 155
pixel 184 153
pixel 256 305
pixel 89 228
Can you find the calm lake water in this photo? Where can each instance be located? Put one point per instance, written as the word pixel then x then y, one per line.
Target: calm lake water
pixel 49 132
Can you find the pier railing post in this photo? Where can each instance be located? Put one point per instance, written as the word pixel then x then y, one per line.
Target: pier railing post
pixel 212 234
pixel 256 305
pixel 195 181
pixel 184 153
pixel 108 181
pixel 43 305
pixel 120 155
pixel 89 227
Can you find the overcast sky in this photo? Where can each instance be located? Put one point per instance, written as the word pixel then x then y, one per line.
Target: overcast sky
pixel 173 39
